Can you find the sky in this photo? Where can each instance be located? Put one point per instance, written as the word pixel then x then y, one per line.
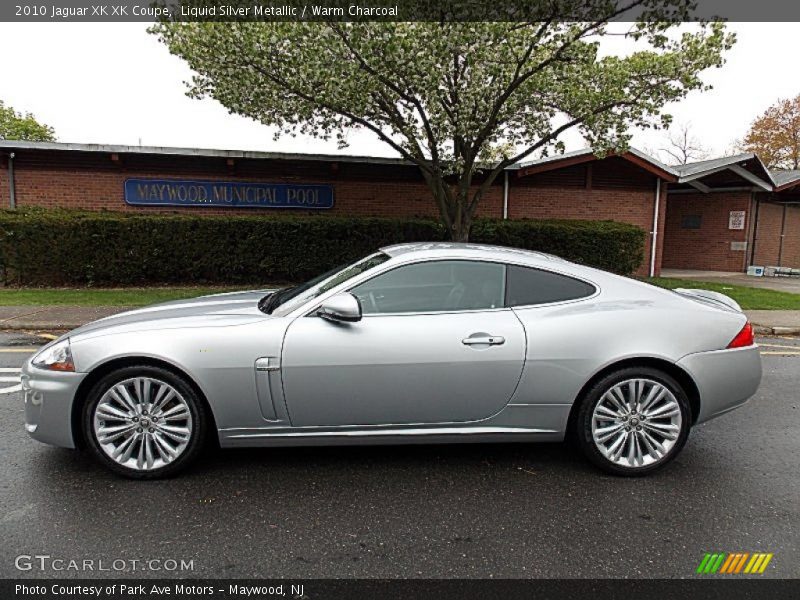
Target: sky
pixel 116 84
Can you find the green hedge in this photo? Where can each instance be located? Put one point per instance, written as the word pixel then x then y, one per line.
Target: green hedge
pixel 608 245
pixel 61 247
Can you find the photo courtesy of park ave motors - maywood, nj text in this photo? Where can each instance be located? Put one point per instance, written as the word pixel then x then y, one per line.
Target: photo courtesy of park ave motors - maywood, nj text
pixel 426 299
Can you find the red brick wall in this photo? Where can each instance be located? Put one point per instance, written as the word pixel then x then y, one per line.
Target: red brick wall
pixel 768 230
pixel 97 184
pixel 615 190
pixel 3 182
pixel 662 224
pixel 771 215
pixel 707 248
pixel 610 189
pixel 791 238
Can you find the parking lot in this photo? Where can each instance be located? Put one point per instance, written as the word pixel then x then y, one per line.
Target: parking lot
pixel 510 510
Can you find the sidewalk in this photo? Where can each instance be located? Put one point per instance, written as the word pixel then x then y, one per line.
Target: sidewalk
pixel 54 318
pixel 779 284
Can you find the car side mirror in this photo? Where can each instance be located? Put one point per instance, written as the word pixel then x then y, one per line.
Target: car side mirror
pixel 341 308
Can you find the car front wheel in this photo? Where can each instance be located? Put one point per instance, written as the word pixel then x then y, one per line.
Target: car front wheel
pixel 144 422
pixel 633 421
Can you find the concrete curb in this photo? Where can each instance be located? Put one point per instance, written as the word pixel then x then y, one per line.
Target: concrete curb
pixel 775 322
pixel 53 318
pixel 40 326
pixel 765 330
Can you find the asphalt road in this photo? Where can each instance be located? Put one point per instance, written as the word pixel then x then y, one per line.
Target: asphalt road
pixel 422 511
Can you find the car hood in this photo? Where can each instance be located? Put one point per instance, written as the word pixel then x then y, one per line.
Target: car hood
pixel 216 310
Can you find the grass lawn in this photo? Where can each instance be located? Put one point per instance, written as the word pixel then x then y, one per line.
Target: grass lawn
pixel 747 297
pixel 105 296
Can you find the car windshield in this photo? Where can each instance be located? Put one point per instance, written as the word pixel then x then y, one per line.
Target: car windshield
pixel 287 299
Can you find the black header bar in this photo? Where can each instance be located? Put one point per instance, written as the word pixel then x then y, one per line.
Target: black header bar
pixel 707 588
pixel 392 10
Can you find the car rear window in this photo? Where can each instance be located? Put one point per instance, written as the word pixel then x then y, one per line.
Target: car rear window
pixel 526 286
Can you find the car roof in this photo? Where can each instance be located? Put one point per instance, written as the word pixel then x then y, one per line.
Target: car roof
pixel 468 250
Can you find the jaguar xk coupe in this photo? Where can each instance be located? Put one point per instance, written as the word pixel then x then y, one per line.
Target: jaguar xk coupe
pixel 417 343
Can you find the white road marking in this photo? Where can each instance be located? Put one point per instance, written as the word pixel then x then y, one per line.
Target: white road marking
pixel 780 346
pixel 10 379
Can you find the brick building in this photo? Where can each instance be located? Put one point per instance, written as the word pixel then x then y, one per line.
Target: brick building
pixel 724 214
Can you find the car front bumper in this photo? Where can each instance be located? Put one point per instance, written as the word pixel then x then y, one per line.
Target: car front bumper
pixel 48 397
pixel 726 379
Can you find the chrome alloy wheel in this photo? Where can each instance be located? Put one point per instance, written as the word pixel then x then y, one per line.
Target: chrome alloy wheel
pixel 142 423
pixel 636 423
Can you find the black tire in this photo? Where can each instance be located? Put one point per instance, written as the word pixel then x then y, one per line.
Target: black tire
pixel 196 408
pixel 583 422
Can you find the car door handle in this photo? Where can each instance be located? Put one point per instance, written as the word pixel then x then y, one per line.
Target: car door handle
pixel 484 340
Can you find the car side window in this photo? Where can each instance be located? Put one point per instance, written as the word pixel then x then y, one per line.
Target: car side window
pixel 435 286
pixel 526 286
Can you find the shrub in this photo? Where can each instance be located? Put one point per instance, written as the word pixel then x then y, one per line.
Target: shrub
pixel 608 245
pixel 66 247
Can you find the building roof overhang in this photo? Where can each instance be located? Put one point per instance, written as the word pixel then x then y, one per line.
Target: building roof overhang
pixel 12 145
pixel 786 180
pixel 742 171
pixel 560 161
pixel 747 169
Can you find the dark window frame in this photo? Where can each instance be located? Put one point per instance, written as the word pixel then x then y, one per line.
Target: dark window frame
pixel 501 263
pixel 506 305
pixel 594 288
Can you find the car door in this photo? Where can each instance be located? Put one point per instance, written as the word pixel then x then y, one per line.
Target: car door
pixel 435 345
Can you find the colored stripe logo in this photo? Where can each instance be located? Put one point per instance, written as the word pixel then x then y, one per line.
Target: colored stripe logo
pixel 733 563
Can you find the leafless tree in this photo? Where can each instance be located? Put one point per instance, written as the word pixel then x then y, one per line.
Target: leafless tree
pixel 682 147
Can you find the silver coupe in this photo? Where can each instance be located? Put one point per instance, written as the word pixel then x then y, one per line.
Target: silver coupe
pixel 417 343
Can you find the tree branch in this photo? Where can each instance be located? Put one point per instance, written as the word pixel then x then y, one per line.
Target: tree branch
pixel 412 98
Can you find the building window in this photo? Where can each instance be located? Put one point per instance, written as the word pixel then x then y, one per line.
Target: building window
pixel 691 221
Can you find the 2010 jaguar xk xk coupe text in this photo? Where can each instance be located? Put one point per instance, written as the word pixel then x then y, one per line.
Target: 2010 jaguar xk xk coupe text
pixel 416 343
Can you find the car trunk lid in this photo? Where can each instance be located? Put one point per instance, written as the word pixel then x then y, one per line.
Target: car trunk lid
pixel 710 298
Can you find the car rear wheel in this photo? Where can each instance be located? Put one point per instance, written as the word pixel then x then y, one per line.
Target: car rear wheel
pixel 633 421
pixel 144 422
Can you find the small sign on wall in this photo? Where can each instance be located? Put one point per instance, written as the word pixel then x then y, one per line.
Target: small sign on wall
pixel 736 219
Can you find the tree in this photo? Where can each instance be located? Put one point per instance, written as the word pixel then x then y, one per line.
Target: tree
pixel 18 126
pixel 775 135
pixel 682 147
pixel 446 95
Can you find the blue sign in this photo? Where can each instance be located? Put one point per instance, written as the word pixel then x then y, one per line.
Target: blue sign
pixel 176 192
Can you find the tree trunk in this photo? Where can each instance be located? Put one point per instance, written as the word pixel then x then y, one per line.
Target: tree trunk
pixel 457 206
pixel 460 232
pixel 462 224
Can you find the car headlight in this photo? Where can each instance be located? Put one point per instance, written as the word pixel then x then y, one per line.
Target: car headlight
pixel 56 357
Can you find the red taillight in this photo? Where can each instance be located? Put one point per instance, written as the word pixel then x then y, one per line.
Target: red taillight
pixel 744 338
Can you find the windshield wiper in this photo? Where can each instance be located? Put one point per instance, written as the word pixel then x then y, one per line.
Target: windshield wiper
pixel 269 303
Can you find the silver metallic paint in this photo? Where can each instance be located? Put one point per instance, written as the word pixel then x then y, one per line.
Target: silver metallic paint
pixel 407 378
pixel 400 369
